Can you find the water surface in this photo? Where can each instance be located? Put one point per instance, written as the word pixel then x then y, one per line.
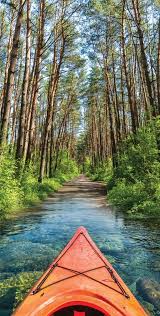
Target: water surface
pixel 30 242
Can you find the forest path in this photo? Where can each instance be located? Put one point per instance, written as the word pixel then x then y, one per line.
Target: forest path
pixel 83 187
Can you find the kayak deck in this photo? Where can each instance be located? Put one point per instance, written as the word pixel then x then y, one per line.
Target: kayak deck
pixel 79 282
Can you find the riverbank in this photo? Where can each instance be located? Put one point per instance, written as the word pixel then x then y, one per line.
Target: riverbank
pixel 17 193
pixel 132 176
pixel 36 192
pixel 131 200
pixel 31 195
pixel 19 186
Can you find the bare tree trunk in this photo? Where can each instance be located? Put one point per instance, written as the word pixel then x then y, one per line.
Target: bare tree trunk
pixel 158 68
pixel 124 127
pixel 17 91
pixel 116 102
pixel 143 54
pixel 112 135
pixel 11 74
pixel 9 48
pixel 25 85
pixel 51 101
pixel 133 118
pixel 35 87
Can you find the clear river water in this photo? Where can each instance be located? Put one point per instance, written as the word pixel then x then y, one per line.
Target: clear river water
pixel 30 241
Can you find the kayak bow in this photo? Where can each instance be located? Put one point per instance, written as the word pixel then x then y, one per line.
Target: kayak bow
pixel 80 282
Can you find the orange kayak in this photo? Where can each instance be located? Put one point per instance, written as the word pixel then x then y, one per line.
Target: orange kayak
pixel 80 282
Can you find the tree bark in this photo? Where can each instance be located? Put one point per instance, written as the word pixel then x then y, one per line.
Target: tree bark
pixel 35 85
pixel 158 69
pixel 51 101
pixel 133 117
pixel 143 54
pixel 11 74
pixel 25 85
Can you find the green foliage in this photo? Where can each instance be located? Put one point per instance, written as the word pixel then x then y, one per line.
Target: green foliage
pixel 17 286
pixel 11 194
pixel 138 156
pixel 135 186
pixel 67 168
pixel 30 186
pixel 21 189
pixel 104 172
pixel 34 191
pixel 86 168
pixel 127 195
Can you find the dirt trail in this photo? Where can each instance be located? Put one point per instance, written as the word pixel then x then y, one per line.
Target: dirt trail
pixel 83 187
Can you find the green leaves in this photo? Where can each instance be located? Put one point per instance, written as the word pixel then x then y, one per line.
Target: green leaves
pixel 21 190
pixel 18 286
pixel 137 178
pixel 11 195
pixel 134 186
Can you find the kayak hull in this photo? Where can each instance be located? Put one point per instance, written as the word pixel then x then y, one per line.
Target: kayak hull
pixel 80 276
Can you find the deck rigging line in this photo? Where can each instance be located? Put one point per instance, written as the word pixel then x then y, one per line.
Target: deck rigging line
pixel 76 273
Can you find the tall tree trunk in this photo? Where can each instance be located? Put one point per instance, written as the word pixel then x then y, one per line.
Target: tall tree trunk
pixel 143 54
pixel 116 103
pixel 124 127
pixel 11 74
pixel 25 86
pixel 112 135
pixel 158 69
pixel 9 48
pixel 35 87
pixel 51 101
pixel 133 117
pixel 17 95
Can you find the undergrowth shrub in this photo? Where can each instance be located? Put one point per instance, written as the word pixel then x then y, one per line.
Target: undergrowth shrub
pixel 30 185
pixel 67 168
pixel 19 187
pixel 135 186
pixel 128 195
pixel 86 166
pixel 104 172
pixel 11 194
